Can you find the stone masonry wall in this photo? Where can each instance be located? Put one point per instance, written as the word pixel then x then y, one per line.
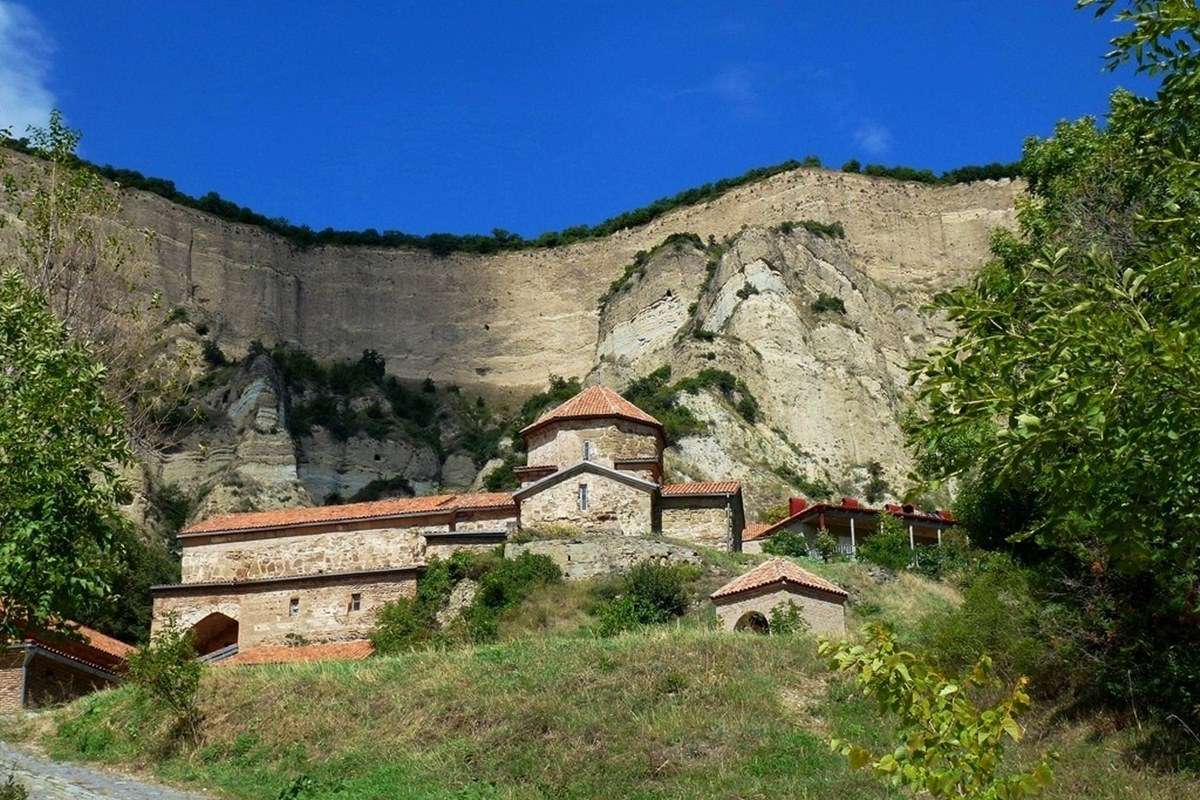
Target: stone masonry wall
pixel 824 613
pixel 11 668
pixel 561 444
pixel 708 525
pixel 613 507
pixel 591 557
pixel 238 558
pixel 264 615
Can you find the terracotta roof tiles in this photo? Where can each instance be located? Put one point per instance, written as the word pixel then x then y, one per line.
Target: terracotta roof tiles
pixel 592 403
pixel 700 488
pixel 755 530
pixel 777 570
pixel 316 515
pixel 353 650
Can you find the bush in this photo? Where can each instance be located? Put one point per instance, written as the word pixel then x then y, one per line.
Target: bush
pixel 889 547
pixel 853 165
pixel 650 594
pixel 166 671
pixel 787 618
pixel 827 302
pixel 213 354
pixel 826 546
pixel 12 789
pixel 503 586
pixel 786 543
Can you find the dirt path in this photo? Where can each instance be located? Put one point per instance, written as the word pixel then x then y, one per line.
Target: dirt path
pixel 55 780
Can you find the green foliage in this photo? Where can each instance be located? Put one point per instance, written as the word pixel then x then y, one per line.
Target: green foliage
pixel 813 489
pixel 900 173
pixel 559 391
pixel 650 594
pixel 828 302
pixel 772 513
pixel 655 395
pixel 747 291
pixel 12 789
pixel 1075 369
pixel 877 487
pixel 213 355
pixel 826 546
pixel 824 230
pixel 503 586
pixel 786 543
pixel 126 612
pixel 165 671
pixel 786 619
pixel 732 388
pixel 853 165
pixel 637 268
pixel 62 443
pixel 889 547
pixel 503 478
pixel 947 745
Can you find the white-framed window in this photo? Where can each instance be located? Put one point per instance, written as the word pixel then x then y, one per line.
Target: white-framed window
pixel 293 606
pixel 588 451
pixel 356 601
pixel 583 497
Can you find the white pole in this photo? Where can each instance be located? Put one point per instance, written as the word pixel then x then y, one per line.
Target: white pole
pixel 853 543
pixel 912 544
pixel 939 530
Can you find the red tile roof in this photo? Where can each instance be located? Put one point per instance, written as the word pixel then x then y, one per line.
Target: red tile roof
pixel 849 505
pixel 593 402
pixel 700 488
pixel 777 570
pixel 755 530
pixel 353 650
pixel 395 507
pixel 93 648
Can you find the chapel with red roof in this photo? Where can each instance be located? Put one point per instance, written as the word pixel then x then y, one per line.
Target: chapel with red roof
pixel 253 583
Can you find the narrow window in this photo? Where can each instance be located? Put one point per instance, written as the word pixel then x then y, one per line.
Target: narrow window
pixel 587 451
pixel 583 497
pixel 356 602
pixel 294 607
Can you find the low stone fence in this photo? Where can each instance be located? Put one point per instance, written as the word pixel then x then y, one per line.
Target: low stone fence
pixel 589 557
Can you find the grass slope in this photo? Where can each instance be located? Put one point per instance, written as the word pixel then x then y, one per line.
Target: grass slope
pixel 679 712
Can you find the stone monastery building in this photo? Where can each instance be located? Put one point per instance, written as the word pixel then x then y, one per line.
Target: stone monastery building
pixel 264 579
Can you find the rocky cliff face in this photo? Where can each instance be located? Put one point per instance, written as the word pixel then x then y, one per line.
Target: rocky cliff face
pixel 830 385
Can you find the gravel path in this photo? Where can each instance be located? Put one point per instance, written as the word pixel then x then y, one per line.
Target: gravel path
pixel 54 780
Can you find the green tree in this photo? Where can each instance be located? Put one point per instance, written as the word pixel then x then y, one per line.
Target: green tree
pixel 947 745
pixel 62 443
pixel 1074 381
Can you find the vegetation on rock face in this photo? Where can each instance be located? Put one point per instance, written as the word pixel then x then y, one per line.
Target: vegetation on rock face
pixel 1069 394
pixel 637 268
pixel 657 396
pixel 824 230
pixel 828 302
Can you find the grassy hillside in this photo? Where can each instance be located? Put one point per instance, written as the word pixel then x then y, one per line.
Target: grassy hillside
pixel 669 713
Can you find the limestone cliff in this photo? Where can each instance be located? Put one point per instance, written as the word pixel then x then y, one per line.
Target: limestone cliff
pixel 830 385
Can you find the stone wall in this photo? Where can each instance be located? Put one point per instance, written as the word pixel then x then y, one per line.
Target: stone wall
pixel 561 444
pixel 263 613
pixel 704 521
pixel 239 557
pixel 595 556
pixel 824 612
pixel 613 506
pixel 11 671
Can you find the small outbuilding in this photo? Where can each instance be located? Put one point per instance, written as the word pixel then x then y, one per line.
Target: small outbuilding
pixel 746 602
pixel 44 667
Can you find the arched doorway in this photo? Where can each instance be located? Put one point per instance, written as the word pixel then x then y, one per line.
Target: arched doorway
pixel 754 622
pixel 214 632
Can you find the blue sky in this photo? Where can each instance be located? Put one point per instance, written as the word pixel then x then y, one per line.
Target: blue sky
pixel 533 116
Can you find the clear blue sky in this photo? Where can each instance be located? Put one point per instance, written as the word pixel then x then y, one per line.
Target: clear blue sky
pixel 462 117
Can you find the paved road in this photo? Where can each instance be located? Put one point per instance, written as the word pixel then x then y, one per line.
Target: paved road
pixel 53 780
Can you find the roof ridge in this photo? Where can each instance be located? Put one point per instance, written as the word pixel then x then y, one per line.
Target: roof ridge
pixel 596 401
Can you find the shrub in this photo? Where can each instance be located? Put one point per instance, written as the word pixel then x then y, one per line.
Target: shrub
pixel 786 543
pixel 213 354
pixel 889 547
pixel 824 230
pixel 827 302
pixel 786 618
pixel 876 487
pixel 747 291
pixel 12 789
pixel 948 746
pixel 826 546
pixel 503 586
pixel 852 165
pixel 651 593
pixel 166 671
